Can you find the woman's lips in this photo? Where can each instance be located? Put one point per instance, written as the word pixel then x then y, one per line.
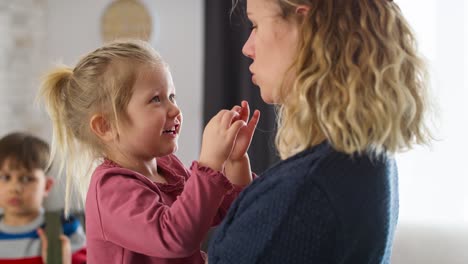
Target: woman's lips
pixel 253 79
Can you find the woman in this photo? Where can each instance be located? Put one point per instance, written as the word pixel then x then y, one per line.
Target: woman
pixel 350 88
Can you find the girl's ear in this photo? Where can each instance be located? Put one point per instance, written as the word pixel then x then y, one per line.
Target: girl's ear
pixel 302 10
pixel 101 127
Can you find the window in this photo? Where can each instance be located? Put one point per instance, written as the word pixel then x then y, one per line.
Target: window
pixel 434 181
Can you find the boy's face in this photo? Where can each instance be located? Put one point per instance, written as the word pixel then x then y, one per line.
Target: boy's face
pixel 22 191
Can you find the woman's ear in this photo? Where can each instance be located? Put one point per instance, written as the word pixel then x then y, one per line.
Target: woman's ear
pixel 101 127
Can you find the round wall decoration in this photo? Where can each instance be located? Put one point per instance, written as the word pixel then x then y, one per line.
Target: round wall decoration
pixel 126 19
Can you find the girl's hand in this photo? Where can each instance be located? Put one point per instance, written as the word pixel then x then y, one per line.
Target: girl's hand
pixel 237 168
pixel 219 137
pixel 66 247
pixel 244 137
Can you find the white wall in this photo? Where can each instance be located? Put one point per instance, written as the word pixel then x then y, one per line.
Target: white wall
pixel 22 35
pixel 433 225
pixel 466 89
pixel 74 29
pixel 36 34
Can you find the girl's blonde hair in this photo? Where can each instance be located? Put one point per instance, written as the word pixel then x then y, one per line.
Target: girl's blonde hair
pixel 359 83
pixel 101 83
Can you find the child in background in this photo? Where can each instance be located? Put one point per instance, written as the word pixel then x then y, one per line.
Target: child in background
pixel 23 186
pixel 118 106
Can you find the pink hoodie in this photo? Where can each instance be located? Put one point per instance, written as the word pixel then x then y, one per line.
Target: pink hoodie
pixel 131 219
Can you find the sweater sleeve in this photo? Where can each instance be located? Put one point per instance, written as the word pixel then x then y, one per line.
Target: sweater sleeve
pixel 267 219
pixel 133 216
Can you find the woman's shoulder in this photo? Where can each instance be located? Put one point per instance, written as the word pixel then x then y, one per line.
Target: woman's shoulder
pixel 324 161
pixel 329 170
pixel 285 180
pixel 299 165
pixel 338 173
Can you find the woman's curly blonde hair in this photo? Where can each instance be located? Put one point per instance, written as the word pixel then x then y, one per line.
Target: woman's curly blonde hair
pixel 360 83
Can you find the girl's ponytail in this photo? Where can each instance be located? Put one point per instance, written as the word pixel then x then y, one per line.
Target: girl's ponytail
pixel 53 89
pixel 53 92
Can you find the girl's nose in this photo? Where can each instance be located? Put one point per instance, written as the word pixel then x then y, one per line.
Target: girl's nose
pixel 174 110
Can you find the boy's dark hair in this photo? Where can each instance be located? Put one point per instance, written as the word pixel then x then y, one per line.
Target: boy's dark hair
pixel 26 151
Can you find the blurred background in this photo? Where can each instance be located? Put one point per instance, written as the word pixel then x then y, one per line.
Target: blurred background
pixel 202 45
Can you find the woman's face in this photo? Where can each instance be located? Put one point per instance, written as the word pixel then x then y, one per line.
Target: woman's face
pixel 272 45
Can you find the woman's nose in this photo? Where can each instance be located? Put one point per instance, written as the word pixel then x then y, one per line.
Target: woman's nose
pixel 249 47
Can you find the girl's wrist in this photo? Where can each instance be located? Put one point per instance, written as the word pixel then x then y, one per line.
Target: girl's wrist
pixel 243 159
pixel 211 163
pixel 238 171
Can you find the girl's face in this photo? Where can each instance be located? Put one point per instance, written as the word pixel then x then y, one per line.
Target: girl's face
pixel 154 119
pixel 272 45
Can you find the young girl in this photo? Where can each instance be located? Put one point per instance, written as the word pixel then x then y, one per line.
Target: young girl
pixel 142 205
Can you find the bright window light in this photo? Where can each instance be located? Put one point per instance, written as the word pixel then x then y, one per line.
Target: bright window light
pixel 434 181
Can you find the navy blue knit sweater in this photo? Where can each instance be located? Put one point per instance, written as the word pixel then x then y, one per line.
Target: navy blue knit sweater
pixel 319 206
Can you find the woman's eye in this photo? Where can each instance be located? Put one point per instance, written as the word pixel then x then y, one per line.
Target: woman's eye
pixel 252 25
pixel 155 99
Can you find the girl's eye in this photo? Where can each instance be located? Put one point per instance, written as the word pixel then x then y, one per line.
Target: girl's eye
pixel 155 99
pixel 172 97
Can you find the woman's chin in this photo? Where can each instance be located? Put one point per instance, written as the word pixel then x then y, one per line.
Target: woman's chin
pixel 268 99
